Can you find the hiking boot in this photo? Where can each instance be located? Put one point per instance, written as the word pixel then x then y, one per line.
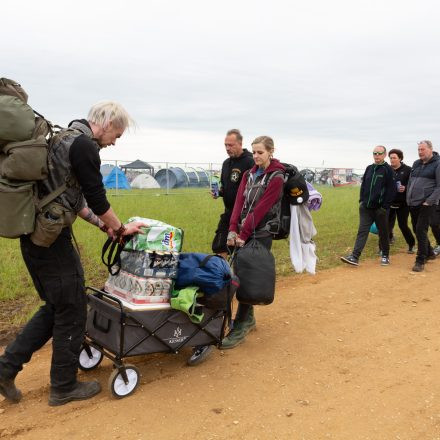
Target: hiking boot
pixel 412 250
pixel 418 267
pixel 384 261
pixel 200 353
pixel 437 250
pixel 235 337
pixel 9 390
pixel 249 324
pixel 81 391
pixel 351 259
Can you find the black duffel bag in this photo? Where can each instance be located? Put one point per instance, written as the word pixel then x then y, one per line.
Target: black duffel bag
pixel 254 265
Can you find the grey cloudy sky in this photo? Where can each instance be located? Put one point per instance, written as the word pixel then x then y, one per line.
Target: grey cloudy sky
pixel 327 80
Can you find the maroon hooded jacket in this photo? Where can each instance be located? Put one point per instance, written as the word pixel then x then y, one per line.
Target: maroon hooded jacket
pixel 271 196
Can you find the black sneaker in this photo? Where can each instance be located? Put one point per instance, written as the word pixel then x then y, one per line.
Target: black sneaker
pixel 411 250
pixel 9 390
pixel 384 261
pixel 81 391
pixel 200 354
pixel 418 267
pixel 430 257
pixel 350 259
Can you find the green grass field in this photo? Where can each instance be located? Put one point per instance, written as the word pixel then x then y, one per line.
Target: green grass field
pixel 197 214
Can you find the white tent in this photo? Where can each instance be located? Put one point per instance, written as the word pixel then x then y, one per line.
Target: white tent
pixel 144 181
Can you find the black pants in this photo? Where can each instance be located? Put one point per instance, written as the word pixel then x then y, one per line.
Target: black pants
pixel 402 214
pixel 436 233
pixel 435 224
pixel 420 218
pixel 243 310
pixel 221 234
pixel 367 216
pixel 59 280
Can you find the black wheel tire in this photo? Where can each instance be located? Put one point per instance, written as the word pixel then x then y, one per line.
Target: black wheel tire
pixel 200 354
pixel 118 387
pixel 86 362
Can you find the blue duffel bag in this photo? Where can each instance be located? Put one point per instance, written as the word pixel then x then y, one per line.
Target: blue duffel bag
pixel 210 272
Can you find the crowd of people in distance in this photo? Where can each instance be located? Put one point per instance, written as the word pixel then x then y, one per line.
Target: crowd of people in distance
pixel 397 191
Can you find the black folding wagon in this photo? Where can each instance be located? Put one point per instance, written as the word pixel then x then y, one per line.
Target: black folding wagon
pixel 118 332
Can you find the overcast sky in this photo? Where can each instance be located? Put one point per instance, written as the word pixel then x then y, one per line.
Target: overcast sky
pixel 328 80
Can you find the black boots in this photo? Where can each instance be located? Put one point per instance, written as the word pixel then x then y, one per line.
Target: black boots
pixel 81 391
pixel 9 390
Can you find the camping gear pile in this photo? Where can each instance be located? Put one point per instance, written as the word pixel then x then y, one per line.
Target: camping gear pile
pixel 140 312
pixel 148 264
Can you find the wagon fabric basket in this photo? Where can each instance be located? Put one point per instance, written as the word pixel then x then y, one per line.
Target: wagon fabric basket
pixel 128 332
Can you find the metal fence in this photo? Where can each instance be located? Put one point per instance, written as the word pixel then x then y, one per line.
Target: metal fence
pixel 120 174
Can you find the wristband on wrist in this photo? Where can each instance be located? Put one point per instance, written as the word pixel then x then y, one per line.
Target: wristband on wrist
pixel 120 231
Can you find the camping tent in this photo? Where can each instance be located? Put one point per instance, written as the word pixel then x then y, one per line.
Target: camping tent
pixel 176 177
pixel 138 165
pixel 106 169
pixel 116 179
pixel 145 181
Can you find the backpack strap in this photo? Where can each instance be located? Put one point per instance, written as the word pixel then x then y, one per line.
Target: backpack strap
pixel 204 262
pixel 274 174
pixel 51 196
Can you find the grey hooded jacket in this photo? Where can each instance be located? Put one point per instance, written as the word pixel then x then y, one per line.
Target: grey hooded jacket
pixel 424 183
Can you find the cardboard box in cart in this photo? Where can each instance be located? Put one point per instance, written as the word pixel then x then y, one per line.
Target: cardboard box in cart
pixel 139 290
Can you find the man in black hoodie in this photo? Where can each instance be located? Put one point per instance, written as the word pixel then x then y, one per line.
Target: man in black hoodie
pixel 422 197
pixel 233 169
pixel 377 191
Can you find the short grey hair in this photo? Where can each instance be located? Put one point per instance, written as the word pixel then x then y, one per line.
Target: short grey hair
pixel 105 112
pixel 237 133
pixel 381 146
pixel 428 143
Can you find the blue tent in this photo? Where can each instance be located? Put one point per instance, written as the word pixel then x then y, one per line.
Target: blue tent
pixel 116 179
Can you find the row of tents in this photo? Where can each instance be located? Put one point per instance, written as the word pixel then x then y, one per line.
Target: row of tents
pixel 139 174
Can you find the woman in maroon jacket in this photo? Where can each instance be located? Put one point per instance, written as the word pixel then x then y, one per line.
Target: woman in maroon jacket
pixel 258 195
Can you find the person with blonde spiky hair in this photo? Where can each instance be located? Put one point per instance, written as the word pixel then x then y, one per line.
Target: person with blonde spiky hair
pixel 53 262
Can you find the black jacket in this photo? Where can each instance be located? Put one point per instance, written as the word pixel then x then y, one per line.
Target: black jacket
pixel 232 173
pixel 401 175
pixel 378 186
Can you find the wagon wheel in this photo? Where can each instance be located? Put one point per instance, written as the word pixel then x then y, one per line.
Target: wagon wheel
pixel 89 357
pixel 118 387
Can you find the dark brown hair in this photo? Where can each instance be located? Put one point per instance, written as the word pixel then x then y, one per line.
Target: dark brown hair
pixel 396 151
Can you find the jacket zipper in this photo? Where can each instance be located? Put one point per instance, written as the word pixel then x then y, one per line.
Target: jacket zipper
pixel 371 185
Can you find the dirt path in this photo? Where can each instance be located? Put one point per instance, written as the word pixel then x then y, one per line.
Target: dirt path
pixel 342 355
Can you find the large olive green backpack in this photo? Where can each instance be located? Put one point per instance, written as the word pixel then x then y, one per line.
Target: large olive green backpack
pixel 24 140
